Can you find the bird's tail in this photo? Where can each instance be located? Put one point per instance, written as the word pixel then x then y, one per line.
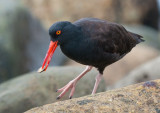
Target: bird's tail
pixel 137 37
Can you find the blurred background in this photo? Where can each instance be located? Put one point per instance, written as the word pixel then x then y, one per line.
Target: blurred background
pixel 24 35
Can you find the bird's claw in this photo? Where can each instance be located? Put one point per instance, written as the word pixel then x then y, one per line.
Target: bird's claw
pixel 70 85
pixel 58 97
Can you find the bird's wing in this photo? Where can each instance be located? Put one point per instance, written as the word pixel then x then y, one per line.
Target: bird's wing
pixel 111 37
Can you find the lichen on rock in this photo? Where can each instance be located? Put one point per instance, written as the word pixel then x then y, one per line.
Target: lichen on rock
pixel 138 98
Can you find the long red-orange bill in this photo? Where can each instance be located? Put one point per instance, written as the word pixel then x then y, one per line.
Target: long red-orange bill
pixel 48 57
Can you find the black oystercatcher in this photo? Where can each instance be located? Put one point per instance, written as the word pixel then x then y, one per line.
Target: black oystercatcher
pixel 92 42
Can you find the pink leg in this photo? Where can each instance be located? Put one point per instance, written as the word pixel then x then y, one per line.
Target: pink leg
pixel 98 79
pixel 72 84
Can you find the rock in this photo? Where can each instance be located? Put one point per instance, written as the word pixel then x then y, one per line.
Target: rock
pixel 139 98
pixel 145 72
pixel 6 56
pixel 36 89
pixel 139 12
pixel 122 11
pixel 132 60
pixel 5 68
pixel 23 41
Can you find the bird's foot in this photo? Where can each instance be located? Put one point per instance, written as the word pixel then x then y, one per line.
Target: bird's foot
pixel 71 85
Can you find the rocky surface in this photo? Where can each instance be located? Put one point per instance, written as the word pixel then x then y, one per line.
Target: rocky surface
pixel 139 98
pixel 123 11
pixel 145 72
pixel 36 89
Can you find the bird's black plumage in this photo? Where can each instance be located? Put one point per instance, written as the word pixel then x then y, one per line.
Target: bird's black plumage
pixel 90 41
pixel 94 42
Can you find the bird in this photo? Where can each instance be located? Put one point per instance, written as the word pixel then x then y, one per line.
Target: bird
pixel 90 41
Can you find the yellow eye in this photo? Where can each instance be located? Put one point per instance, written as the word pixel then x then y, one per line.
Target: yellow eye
pixel 58 32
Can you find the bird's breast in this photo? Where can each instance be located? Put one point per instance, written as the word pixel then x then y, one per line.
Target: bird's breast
pixel 78 51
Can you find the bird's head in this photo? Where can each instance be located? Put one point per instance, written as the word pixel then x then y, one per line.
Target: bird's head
pixel 60 33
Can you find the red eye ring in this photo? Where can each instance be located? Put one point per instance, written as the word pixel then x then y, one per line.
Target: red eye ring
pixel 58 32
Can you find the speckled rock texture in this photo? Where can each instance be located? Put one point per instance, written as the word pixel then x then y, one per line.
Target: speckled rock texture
pixel 36 89
pixel 139 98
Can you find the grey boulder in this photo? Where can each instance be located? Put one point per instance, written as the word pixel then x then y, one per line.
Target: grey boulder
pixel 36 89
